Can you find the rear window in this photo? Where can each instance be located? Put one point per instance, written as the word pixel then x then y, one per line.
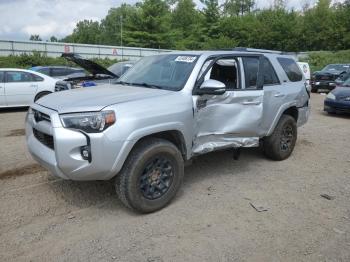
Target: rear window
pixel 2 77
pixel 37 78
pixel 291 68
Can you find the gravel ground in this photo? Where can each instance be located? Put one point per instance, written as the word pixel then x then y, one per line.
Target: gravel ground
pixel 212 218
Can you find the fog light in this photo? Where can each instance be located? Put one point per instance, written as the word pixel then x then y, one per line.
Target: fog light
pixel 85 153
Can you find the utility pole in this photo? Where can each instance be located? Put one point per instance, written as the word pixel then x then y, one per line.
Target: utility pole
pixel 121 34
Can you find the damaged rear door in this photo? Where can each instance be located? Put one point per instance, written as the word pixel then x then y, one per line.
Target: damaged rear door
pixel 232 119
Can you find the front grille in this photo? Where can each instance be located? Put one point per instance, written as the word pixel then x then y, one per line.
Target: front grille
pixel 39 116
pixel 45 139
pixel 327 77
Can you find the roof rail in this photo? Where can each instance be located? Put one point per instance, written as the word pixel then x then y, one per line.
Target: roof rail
pixel 255 50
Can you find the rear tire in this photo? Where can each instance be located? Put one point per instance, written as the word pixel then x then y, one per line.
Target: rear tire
pixel 41 94
pixel 151 176
pixel 281 143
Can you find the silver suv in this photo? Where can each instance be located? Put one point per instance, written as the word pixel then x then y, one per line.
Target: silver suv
pixel 163 112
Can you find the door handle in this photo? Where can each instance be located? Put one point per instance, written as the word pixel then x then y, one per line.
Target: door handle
pixel 246 103
pixel 279 95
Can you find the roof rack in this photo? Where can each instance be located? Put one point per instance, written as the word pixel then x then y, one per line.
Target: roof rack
pixel 255 50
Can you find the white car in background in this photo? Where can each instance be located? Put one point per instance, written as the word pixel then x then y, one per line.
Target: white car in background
pixel 20 87
pixel 305 68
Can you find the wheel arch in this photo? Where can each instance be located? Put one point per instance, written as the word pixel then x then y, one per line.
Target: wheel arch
pixel 42 92
pixel 289 109
pixel 173 136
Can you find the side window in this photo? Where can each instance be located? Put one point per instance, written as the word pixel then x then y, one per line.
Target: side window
pixel 16 76
pixel 45 71
pixel 2 74
pixel 251 68
pixel 58 72
pixel 224 70
pixel 291 68
pixel 270 77
pixel 37 78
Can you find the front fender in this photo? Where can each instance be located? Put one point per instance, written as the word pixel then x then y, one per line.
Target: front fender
pixel 138 134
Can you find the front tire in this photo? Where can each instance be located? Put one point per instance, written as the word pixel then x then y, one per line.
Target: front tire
pixel 314 89
pixel 281 143
pixel 151 176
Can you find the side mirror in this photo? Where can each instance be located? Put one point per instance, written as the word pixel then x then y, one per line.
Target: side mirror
pixel 211 87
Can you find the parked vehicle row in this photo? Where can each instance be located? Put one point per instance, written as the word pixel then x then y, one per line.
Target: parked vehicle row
pixel 20 88
pixel 164 111
pixel 327 78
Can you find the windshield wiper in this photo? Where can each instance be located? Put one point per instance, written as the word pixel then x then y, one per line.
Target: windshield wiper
pixel 147 85
pixel 123 83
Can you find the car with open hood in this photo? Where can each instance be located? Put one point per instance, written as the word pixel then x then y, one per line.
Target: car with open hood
pixel 163 112
pixel 325 80
pixel 97 74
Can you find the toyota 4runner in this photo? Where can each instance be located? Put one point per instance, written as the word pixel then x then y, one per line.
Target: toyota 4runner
pixel 164 111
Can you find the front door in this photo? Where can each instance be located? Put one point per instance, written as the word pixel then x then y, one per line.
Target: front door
pixel 232 119
pixel 20 88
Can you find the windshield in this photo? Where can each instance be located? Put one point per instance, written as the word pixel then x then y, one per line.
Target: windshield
pixel 346 82
pixel 168 72
pixel 336 68
pixel 120 68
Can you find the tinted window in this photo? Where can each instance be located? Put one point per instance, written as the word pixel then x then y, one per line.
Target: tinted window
pixel 12 77
pixel 291 68
pixel 2 77
pixel 336 68
pixel 37 78
pixel 59 72
pixel 45 71
pixel 251 67
pixel 270 77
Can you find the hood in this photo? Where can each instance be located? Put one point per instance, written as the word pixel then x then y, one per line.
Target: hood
pixel 326 75
pixel 88 65
pixel 96 98
pixel 341 92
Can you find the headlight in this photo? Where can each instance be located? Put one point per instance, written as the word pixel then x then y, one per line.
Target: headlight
pixel 331 96
pixel 90 122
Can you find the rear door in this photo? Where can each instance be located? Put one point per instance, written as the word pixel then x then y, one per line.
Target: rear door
pixel 2 89
pixel 20 88
pixel 231 119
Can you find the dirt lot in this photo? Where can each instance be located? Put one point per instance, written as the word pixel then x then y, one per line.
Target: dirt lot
pixel 44 218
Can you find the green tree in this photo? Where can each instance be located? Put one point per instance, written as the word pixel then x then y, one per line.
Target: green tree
pixel 35 38
pixel 53 39
pixel 86 31
pixel 238 7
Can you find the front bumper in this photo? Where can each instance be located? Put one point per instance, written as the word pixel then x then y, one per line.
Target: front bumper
pixel 323 85
pixel 336 106
pixel 62 154
pixel 303 115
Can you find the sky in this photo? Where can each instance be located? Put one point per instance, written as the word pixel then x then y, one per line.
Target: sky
pixel 21 18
